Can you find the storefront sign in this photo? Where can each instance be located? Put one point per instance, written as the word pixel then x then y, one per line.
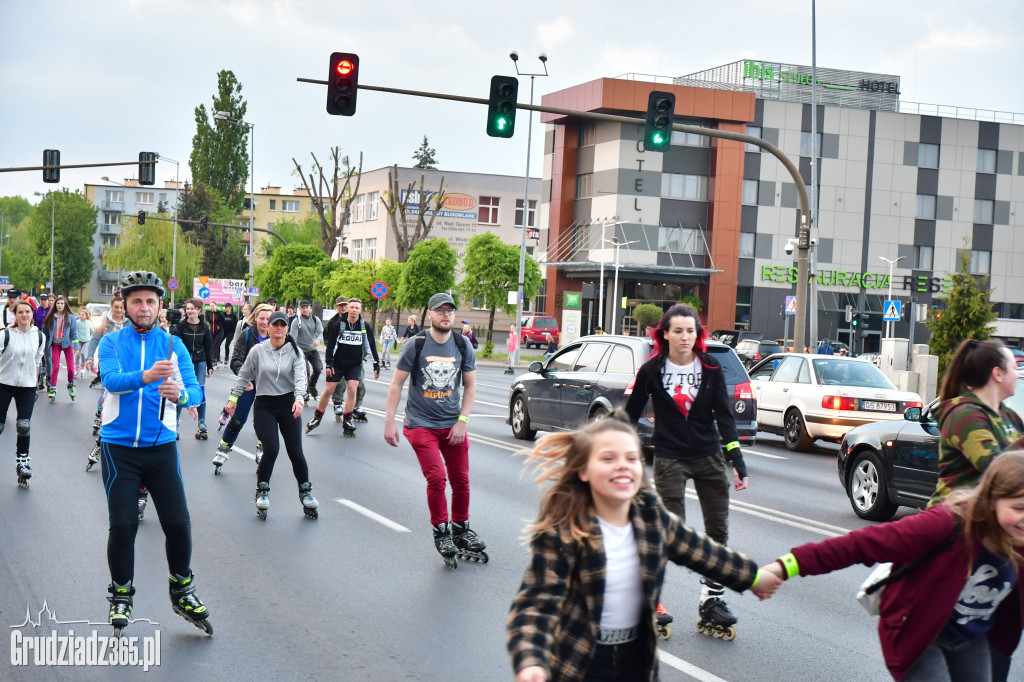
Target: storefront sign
pixel 868 280
pixel 769 71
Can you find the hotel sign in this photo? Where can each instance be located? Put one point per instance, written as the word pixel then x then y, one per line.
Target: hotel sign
pixel 868 280
pixel 801 75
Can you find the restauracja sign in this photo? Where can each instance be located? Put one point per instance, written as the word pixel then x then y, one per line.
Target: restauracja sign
pixel 868 280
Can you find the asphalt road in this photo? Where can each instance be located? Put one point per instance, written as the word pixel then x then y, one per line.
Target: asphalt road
pixel 361 594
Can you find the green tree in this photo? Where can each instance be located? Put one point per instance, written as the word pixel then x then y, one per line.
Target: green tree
pixel 356 279
pixel 74 224
pixel 151 247
pixel 306 231
pixel 220 156
pixel 648 315
pixel 492 270
pixel 292 273
pixel 223 248
pixel 425 156
pixel 430 269
pixel 24 270
pixel 12 211
pixel 968 313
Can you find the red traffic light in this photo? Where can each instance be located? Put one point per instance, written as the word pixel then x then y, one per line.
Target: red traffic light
pixel 342 84
pixel 345 67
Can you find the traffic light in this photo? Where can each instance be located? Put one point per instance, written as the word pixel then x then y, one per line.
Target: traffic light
pixel 854 319
pixel 51 157
pixel 849 313
pixel 202 222
pixel 661 108
pixel 342 84
pixel 501 106
pixel 863 320
pixel 147 168
pixel 142 217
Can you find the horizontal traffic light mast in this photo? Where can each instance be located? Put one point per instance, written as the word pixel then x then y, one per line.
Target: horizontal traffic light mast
pixel 51 171
pixel 144 217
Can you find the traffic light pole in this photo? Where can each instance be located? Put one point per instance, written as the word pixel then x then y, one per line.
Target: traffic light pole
pixel 803 241
pixel 77 165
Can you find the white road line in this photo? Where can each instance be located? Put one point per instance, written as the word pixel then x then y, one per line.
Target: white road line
pixel 244 452
pixel 783 518
pixel 383 520
pixel 688 668
pixel 838 529
pixel 762 454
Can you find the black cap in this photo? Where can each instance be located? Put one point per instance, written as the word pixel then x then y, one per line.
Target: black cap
pixel 302 303
pixel 278 317
pixel 44 297
pixel 13 293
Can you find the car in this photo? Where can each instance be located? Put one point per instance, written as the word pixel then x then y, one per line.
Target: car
pixel 594 375
pixel 805 396
pixel 886 465
pixel 1018 356
pixel 96 311
pixel 752 351
pixel 536 328
pixel 731 337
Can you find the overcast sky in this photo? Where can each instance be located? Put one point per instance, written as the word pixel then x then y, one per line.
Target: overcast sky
pixel 104 80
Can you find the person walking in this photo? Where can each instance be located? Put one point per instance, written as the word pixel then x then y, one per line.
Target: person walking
pixel 467 332
pixel 217 330
pixel 142 377
pixel 61 329
pixel 599 547
pixel 411 329
pixel 331 331
pixel 443 370
pixel 958 568
pixel 198 340
pixel 825 348
pixel 83 326
pixel 22 347
pixel 230 323
pixel 552 347
pixel 388 338
pixel 308 331
pixel 8 318
pixel 278 371
pixel 512 346
pixel 686 386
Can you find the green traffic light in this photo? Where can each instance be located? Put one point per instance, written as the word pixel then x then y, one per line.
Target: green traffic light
pixel 502 122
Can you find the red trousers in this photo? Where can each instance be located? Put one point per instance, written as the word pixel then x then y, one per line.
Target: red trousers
pixel 438 459
pixel 69 360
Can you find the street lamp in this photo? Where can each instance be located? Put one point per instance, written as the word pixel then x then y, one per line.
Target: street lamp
pixel 514 56
pixel 38 194
pixel 894 261
pixel 226 116
pixel 615 288
pixel 600 293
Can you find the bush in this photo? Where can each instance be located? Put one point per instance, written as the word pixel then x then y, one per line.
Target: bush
pixel 488 349
pixel 647 315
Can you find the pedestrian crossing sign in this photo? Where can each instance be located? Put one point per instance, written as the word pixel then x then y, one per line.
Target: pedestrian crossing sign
pixel 791 305
pixel 892 311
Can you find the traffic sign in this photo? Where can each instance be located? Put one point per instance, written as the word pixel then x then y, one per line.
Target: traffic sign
pixel 892 311
pixel 378 290
pixel 5 279
pixel 204 279
pixel 172 284
pixel 791 305
pixel 204 292
pixel 253 291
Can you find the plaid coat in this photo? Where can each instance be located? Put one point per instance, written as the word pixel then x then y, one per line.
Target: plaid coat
pixel 556 615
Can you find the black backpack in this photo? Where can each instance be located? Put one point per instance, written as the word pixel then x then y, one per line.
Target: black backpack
pixel 419 339
pixel 42 339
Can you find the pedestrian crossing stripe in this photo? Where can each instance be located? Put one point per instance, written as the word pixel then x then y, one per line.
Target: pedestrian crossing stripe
pixel 892 313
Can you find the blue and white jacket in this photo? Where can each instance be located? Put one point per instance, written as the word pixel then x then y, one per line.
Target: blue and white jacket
pixel 131 411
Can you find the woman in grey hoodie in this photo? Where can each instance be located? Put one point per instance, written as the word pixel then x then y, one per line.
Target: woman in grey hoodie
pixel 278 371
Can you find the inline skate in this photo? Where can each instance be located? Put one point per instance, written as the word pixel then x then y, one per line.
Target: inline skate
pixel 715 617
pixel 186 604
pixel 94 456
pixel 443 542
pixel 97 423
pixel 662 619
pixel 51 394
pixel 24 470
pixel 223 420
pixel 202 433
pixel 71 390
pixel 309 503
pixel 359 415
pixel 259 453
pixel 468 544
pixel 262 500
pixel 348 427
pixel 120 605
pixel 143 498
pixel 222 456
pixel 315 421
pixel 339 412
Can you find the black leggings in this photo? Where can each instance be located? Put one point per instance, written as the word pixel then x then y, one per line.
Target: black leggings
pixel 270 414
pixel 125 471
pixel 24 401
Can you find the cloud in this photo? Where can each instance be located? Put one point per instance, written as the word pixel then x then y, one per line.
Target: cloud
pixel 553 33
pixel 968 39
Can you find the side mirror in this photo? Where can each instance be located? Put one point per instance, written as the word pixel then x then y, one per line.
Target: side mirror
pixel 536 367
pixel 912 414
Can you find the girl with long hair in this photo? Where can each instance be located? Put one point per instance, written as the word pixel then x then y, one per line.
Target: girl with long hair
pixel 83 326
pixel 21 354
pixel 600 527
pixel 62 329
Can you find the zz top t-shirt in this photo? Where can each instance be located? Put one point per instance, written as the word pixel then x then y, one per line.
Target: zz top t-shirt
pixel 436 399
pixel 683 382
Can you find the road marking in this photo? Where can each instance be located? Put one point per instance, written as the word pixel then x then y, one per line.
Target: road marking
pixel 383 520
pixel 244 452
pixel 762 454
pixel 784 518
pixel 486 440
pixel 688 668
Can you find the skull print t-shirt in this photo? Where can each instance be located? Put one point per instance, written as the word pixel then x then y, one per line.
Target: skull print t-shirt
pixel 435 399
pixel 683 382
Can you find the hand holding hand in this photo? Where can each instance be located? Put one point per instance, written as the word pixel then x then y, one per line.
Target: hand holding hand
pixel 533 673
pixel 767 582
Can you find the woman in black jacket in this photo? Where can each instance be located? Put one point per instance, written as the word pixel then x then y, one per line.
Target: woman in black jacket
pixel 198 339
pixel 687 388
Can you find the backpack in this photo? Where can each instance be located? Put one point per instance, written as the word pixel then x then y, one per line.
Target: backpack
pixel 421 338
pixel 7 339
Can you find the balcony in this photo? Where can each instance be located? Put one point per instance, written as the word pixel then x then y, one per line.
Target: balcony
pixel 107 275
pixel 110 229
pixel 117 206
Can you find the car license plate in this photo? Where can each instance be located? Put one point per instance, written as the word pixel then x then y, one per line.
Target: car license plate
pixel 875 406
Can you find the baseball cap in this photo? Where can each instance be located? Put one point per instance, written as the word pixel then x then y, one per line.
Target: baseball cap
pixel 341 300
pixel 465 322
pixel 44 296
pixel 13 293
pixel 438 300
pixel 302 303
pixel 278 317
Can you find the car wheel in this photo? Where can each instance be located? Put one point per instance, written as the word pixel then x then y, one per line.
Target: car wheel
pixel 521 419
pixel 598 413
pixel 868 490
pixel 794 432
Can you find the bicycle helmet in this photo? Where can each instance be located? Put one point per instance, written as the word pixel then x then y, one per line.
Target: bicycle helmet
pixel 141 279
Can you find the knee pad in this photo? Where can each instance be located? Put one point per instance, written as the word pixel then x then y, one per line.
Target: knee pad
pixel 23 426
pixel 235 425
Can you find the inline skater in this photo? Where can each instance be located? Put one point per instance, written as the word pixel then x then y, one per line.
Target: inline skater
pixel 230 324
pixel 61 329
pixel 331 331
pixel 38 318
pixel 278 371
pixel 146 370
pixel 21 354
pixel 443 367
pixel 84 327
pixel 198 340
pixel 687 389
pixel 344 363
pixel 388 338
pixel 308 332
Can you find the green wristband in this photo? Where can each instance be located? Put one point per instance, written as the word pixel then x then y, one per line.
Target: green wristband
pixel 756 577
pixel 790 564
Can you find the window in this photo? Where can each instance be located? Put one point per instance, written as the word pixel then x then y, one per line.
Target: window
pixel 689 139
pixel 983 210
pixel 923 256
pixel 750 192
pixel 805 144
pixel 756 132
pixel 488 213
pixel 357 250
pixel 372 199
pixel 111 218
pixel 926 206
pixel 109 240
pixel 588 134
pixel 114 195
pixel 747 244
pixel 980 262
pixel 789 370
pixel 163 197
pixel 248 250
pixel 678 186
pixel 927 155
pixel 107 288
pixel 144 198
pixel 359 209
pixel 479 304
pixel 743 296
pixel 289 206
pixel 563 361
pixel 986 160
pixel 371 248
pixel 621 361
pixel 273 204
pixel 680 240
pixel 1011 311
pixel 590 358
pixel 585 186
pixel 532 213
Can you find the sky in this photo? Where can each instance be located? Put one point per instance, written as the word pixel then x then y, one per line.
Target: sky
pixel 102 81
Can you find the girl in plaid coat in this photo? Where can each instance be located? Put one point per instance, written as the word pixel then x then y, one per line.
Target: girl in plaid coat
pixel 586 607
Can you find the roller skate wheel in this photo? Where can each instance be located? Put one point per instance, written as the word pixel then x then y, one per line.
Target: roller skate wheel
pixel 665 632
pixel 311 513
pixel 88 467
pixel 729 634
pixel 117 632
pixel 216 469
pixel 207 627
pixel 24 483
pixel 262 513
pixel 700 625
pixel 451 562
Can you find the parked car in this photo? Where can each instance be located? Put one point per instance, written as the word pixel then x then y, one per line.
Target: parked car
pixel 96 311
pixel 536 328
pixel 1018 356
pixel 595 374
pixel 805 396
pixel 752 351
pixel 731 337
pixel 886 465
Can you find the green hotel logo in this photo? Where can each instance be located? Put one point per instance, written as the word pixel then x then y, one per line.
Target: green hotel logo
pixel 759 70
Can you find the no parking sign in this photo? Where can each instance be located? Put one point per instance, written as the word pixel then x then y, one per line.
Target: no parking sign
pixel 379 290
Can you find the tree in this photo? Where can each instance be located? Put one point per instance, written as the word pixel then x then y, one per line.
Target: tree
pixel 13 210
pixel 220 156
pixel 430 269
pixel 25 272
pixel 424 156
pixel 223 249
pixel 397 206
pixel 74 224
pixel 968 313
pixel 151 247
pixel 648 315
pixel 292 273
pixel 332 194
pixel 356 279
pixel 306 231
pixel 492 270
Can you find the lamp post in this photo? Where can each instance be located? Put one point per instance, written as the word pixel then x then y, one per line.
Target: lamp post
pixel 615 288
pixel 526 192
pixel 892 262
pixel 38 194
pixel 226 116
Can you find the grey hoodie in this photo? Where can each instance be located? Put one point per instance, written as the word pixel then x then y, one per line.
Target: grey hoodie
pixel 274 372
pixel 306 330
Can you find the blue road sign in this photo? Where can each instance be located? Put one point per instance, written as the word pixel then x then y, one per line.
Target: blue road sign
pixel 791 305
pixel 892 310
pixel 379 290
pixel 5 280
pixel 204 292
pixel 172 284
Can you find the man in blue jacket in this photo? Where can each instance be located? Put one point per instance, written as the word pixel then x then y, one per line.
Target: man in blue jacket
pixel 146 373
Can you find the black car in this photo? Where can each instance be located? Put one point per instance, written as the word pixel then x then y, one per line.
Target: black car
pixel 752 351
pixel 592 376
pixel 889 464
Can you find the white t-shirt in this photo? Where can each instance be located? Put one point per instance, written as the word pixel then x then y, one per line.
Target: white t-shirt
pixel 683 382
pixel 623 592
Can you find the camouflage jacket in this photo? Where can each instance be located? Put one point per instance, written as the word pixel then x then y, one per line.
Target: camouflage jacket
pixel 970 435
